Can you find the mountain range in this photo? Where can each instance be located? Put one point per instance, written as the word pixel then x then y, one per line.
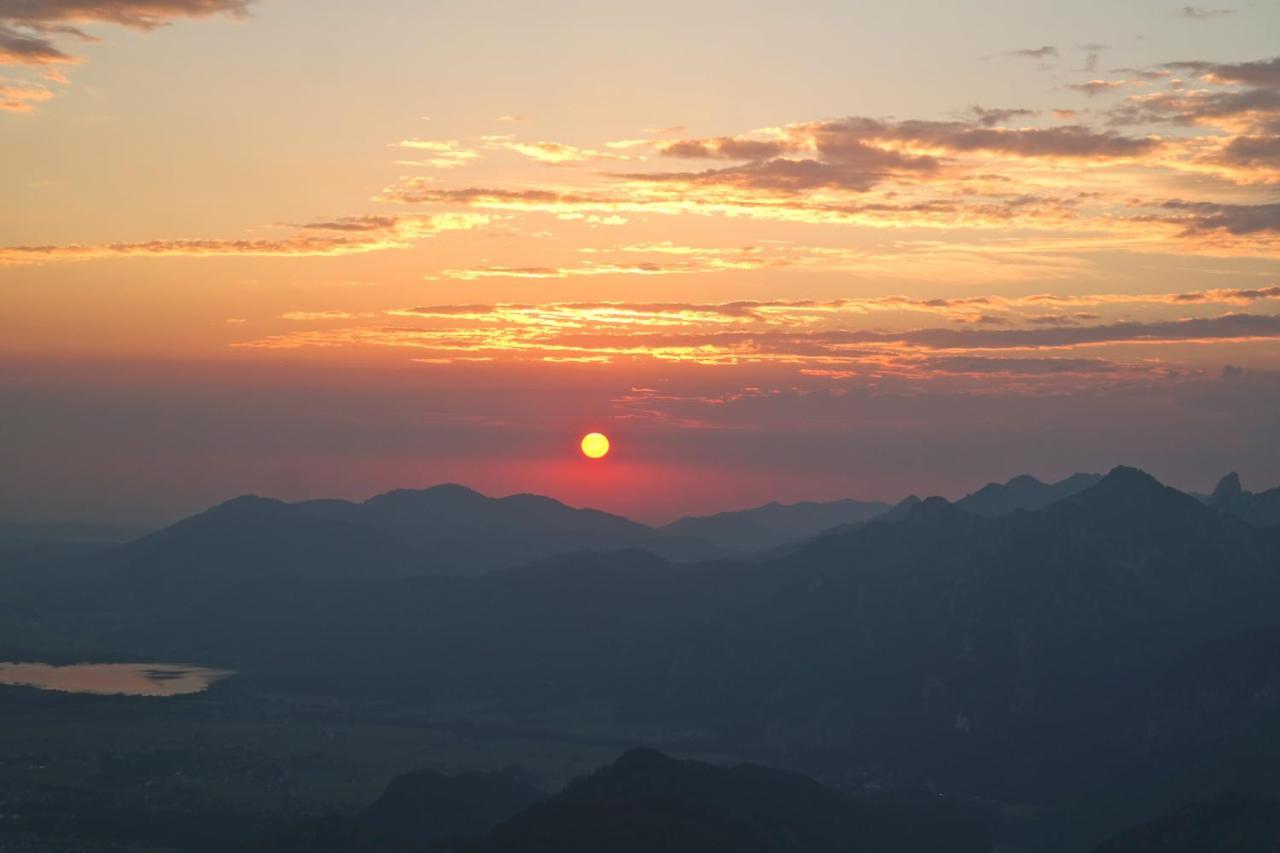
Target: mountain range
pixel 996 650
pixel 644 801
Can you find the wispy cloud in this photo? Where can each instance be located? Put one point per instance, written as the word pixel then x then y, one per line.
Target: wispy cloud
pixel 1047 51
pixel 370 235
pixel 34 33
pixel 1199 13
pixel 19 96
pixel 553 153
pixel 440 153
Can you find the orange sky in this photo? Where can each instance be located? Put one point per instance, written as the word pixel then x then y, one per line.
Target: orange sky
pixel 836 250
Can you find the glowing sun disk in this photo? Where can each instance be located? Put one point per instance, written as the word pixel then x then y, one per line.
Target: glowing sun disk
pixel 595 445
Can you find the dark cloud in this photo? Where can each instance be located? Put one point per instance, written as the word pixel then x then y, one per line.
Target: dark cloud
pixel 850 153
pixel 1254 151
pixel 138 14
pixel 1024 366
pixel 1061 141
pixel 1198 217
pixel 1190 108
pixel 1250 109
pixel 1097 87
pixel 21 48
pixel 1196 13
pixel 727 148
pixel 1200 328
pixel 29 29
pixel 1260 73
pixel 997 117
pixel 1092 53
pixel 857 166
pixel 1245 295
pixel 1046 52
pixel 1060 319
pixel 418 192
pixel 354 223
pixel 847 343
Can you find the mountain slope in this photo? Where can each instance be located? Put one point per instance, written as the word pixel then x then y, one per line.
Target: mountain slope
pixel 773 524
pixel 1227 824
pixel 646 801
pixel 949 643
pixel 420 810
pixel 1023 492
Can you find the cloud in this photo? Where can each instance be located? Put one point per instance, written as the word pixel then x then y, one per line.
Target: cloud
pixel 1094 88
pixel 1253 151
pixel 30 29
pixel 27 48
pixel 137 14
pixel 373 234
pixel 858 153
pixel 999 117
pixel 795 335
pixel 354 223
pixel 315 316
pixel 1063 141
pixel 1225 327
pixel 1261 73
pixel 1197 13
pixel 1048 51
pixel 1236 295
pixel 554 153
pixel 1026 366
pixel 858 138
pixel 1199 217
pixel 19 96
pixel 1227 109
pixel 1092 53
pixel 441 153
pixel 729 148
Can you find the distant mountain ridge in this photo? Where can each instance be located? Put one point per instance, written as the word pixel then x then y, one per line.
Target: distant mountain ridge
pixel 443 529
pixel 1024 492
pixel 1000 657
pixel 1258 508
pixel 773 524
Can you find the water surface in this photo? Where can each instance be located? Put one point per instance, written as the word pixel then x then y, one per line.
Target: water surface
pixel 132 679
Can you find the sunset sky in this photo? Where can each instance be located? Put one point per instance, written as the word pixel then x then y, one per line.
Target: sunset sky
pixel 773 251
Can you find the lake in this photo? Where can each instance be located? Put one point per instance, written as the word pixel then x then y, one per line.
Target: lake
pixel 132 679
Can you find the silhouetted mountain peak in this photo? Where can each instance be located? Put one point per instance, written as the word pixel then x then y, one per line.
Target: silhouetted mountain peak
pixel 1132 493
pixel 933 508
pixel 1261 509
pixel 1228 487
pixel 249 503
pixel 415 499
pixel 1130 478
pixel 901 510
pixel 641 757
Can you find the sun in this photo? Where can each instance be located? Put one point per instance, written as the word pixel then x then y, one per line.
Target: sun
pixel 595 445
